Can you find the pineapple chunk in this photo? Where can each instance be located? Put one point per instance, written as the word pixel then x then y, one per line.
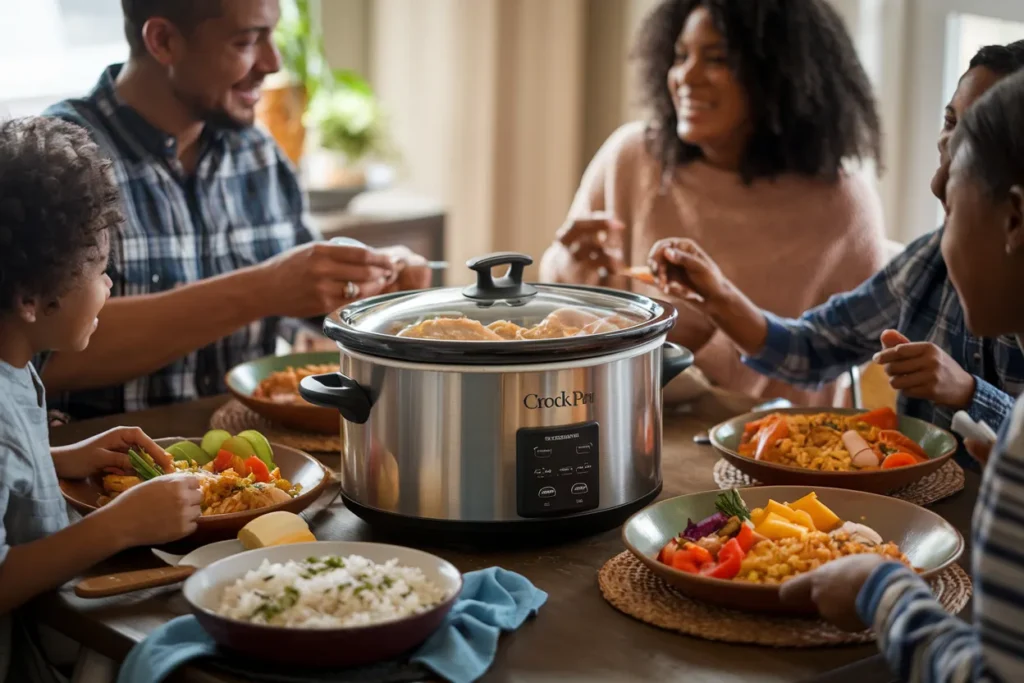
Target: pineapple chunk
pixel 824 519
pixel 757 515
pixel 776 527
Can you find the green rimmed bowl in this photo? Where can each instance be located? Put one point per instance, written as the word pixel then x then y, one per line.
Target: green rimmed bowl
pixel 930 543
pixel 939 444
pixel 243 379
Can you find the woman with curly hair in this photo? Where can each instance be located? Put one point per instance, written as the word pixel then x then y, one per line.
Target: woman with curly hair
pixel 754 109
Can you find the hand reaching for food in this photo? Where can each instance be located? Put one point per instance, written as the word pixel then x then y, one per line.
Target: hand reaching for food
pixel 833 588
pixel 160 510
pixel 593 242
pixel 683 270
pixel 924 371
pixel 107 452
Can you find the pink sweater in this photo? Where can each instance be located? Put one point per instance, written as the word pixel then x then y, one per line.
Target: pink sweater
pixel 788 243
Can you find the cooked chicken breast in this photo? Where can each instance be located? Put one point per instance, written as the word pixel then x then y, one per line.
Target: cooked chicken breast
pixel 506 330
pixel 450 329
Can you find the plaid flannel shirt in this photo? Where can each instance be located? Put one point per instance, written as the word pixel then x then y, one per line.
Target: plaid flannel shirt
pixel 241 206
pixel 911 294
pixel 921 641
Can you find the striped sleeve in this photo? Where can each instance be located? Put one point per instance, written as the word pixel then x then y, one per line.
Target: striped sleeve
pixel 918 638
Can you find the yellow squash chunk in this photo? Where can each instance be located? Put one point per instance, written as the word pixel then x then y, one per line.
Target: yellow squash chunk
pixel 777 528
pixel 824 519
pixel 757 515
pixel 787 512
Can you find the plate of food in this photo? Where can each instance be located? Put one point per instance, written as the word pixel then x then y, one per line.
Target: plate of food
pixel 324 604
pixel 270 387
pixel 736 548
pixel 242 477
pixel 875 451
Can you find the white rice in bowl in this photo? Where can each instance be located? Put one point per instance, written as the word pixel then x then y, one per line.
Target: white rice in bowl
pixel 329 592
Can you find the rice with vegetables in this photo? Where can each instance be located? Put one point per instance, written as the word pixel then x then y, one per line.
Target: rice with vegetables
pixel 329 592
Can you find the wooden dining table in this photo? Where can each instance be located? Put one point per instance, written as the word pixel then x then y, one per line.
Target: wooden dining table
pixel 577 636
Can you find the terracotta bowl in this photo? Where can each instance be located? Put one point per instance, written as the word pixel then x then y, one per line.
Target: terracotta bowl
pixel 939 444
pixel 296 466
pixel 334 647
pixel 243 379
pixel 930 542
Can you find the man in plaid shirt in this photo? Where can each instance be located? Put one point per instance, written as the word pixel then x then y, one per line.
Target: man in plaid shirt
pixel 215 249
pixel 907 317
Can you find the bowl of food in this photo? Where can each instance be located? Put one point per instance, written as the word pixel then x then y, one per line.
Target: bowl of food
pixel 325 604
pixel 875 451
pixel 736 548
pixel 242 477
pixel 270 387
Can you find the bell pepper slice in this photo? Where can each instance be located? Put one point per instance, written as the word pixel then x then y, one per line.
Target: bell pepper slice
pixel 698 555
pixel 903 442
pixel 730 558
pixel 745 538
pixel 259 470
pixel 899 460
pixel 883 418
pixel 769 435
pixel 222 461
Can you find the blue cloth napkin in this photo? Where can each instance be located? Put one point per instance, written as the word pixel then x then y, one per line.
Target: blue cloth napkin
pixel 492 600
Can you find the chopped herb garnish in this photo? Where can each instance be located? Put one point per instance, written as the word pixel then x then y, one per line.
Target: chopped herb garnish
pixel 731 505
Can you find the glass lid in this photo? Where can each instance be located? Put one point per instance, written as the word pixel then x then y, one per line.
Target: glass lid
pixel 499 316
pixel 501 309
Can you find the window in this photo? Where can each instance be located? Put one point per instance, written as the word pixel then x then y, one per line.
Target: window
pixel 945 35
pixel 52 49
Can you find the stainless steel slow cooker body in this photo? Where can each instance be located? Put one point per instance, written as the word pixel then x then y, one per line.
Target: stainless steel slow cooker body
pixel 500 434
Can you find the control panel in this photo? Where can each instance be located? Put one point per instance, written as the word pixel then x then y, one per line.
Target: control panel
pixel 557 469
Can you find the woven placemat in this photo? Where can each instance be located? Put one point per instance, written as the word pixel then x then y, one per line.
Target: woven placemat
pixel 942 483
pixel 235 417
pixel 630 587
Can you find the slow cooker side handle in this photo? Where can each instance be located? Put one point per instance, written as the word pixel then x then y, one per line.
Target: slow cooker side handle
pixel 674 360
pixel 335 390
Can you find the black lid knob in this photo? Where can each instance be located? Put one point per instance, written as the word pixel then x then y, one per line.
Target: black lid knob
pixel 509 286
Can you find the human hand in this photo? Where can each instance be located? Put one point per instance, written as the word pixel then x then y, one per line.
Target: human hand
pixel 411 271
pixel 592 241
pixel 107 452
pixel 833 588
pixel 320 277
pixel 683 270
pixel 157 511
pixel 922 370
pixel 979 450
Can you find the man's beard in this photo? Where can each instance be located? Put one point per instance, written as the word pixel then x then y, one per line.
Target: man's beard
pixel 215 116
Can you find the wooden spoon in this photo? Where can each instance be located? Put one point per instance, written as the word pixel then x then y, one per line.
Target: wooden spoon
pixel 126 582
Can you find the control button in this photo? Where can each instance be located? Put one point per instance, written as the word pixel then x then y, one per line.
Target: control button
pixel 583 469
pixel 542 452
pixel 539 472
pixel 578 489
pixel 584 449
pixel 547 492
pixel 568 469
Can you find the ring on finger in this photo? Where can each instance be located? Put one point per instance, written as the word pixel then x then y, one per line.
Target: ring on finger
pixel 351 290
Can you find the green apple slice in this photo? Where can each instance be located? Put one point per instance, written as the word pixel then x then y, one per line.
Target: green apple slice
pixel 186 451
pixel 238 446
pixel 262 447
pixel 214 440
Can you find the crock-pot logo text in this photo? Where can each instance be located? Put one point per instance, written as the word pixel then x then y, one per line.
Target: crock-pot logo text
pixel 565 399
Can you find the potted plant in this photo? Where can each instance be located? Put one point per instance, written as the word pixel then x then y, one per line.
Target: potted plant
pixel 304 71
pixel 351 130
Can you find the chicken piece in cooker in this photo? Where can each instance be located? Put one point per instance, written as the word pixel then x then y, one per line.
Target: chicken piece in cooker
pixel 450 329
pixel 552 327
pixel 506 330
pixel 612 323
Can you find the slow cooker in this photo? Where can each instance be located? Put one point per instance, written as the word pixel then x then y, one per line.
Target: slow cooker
pixel 547 427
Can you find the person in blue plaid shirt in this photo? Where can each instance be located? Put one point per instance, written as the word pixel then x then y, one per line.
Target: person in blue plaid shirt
pixel 214 250
pixel 983 247
pixel 907 317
